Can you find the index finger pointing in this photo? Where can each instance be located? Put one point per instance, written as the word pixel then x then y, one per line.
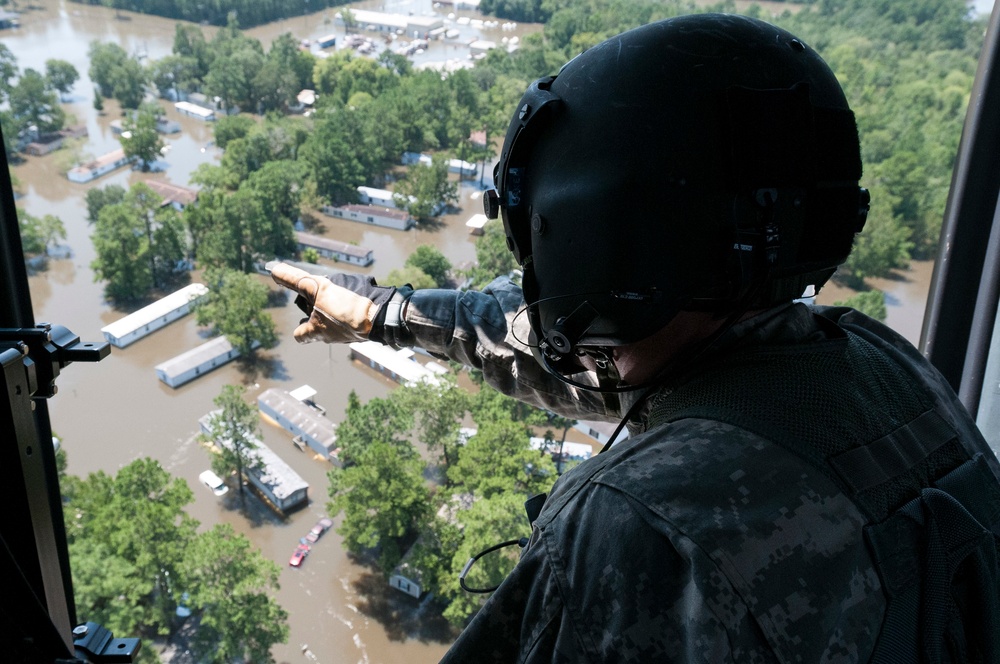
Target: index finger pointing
pixel 295 279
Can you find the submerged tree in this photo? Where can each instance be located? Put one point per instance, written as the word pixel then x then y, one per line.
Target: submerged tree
pixel 140 139
pixel 234 307
pixel 235 431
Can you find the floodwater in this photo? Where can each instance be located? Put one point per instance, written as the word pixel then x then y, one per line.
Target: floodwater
pixel 113 412
pixel 905 297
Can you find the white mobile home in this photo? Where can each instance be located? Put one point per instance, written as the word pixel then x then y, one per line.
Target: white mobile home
pixel 398 365
pixel 406 577
pixel 475 223
pixel 274 479
pixel 297 413
pixel 195 111
pixel 199 360
pixel 154 316
pixel 335 249
pixel 372 214
pixel 98 167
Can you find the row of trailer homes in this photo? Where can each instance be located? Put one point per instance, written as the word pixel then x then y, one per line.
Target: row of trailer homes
pixel 188 365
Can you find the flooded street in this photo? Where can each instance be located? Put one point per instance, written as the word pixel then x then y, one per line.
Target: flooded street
pixel 113 412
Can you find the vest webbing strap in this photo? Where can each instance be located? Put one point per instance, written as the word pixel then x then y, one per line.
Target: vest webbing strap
pixel 879 461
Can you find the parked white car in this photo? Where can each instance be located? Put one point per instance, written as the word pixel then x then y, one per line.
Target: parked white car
pixel 214 482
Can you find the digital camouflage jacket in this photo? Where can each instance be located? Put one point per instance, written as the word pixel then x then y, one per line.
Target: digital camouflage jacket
pixel 712 534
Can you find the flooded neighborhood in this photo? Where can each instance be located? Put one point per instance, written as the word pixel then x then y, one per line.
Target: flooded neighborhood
pixel 111 413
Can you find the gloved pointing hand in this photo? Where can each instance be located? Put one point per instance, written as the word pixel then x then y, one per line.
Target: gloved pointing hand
pixel 341 308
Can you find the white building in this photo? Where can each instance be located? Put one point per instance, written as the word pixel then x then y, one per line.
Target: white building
pixel 195 111
pixel 406 577
pixel 399 365
pixel 335 249
pixel 600 431
pixel 476 223
pixel 371 214
pixel 274 479
pixel 375 196
pixel 463 168
pixel 98 167
pixel 198 361
pixel 400 24
pixel 297 413
pixel 154 316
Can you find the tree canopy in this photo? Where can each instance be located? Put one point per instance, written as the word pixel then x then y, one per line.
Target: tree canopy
pixel 234 307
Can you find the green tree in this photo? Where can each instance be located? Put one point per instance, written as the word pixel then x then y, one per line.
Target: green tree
pixel 232 586
pixel 8 70
pixel 386 420
pixel 230 127
pixel 235 430
pixel 432 262
pixel 234 307
pixel 882 246
pixel 38 234
pixel 138 241
pixel 499 459
pixel 122 249
pixel 61 75
pixel 131 533
pixel 174 75
pixel 493 258
pixel 487 522
pixel 140 139
pixel 425 188
pixel 128 83
pixel 310 255
pixel 384 499
pixel 33 104
pixel 98 101
pixel 105 58
pixel 100 197
pixel 871 303
pixel 438 410
pixel 412 275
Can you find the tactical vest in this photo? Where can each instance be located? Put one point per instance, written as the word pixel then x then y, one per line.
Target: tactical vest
pixel 848 409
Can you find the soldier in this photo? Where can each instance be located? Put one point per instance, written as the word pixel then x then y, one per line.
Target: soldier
pixel 669 195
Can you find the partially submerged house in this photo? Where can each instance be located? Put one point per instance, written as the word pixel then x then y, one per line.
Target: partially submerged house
pixel 297 413
pixel 195 111
pixel 376 215
pixel 476 223
pixel 196 362
pixel 339 251
pixel 98 167
pixel 399 365
pixel 174 195
pixel 45 143
pixel 152 317
pixel 281 486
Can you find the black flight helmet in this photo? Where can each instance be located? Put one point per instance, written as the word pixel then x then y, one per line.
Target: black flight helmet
pixel 705 162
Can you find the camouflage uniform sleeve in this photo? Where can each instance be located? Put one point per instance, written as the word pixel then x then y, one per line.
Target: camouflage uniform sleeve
pixel 483 330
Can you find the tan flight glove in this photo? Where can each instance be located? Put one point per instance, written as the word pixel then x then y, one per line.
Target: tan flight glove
pixel 341 308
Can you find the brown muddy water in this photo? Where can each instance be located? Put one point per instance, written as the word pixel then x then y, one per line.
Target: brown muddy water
pixel 114 412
